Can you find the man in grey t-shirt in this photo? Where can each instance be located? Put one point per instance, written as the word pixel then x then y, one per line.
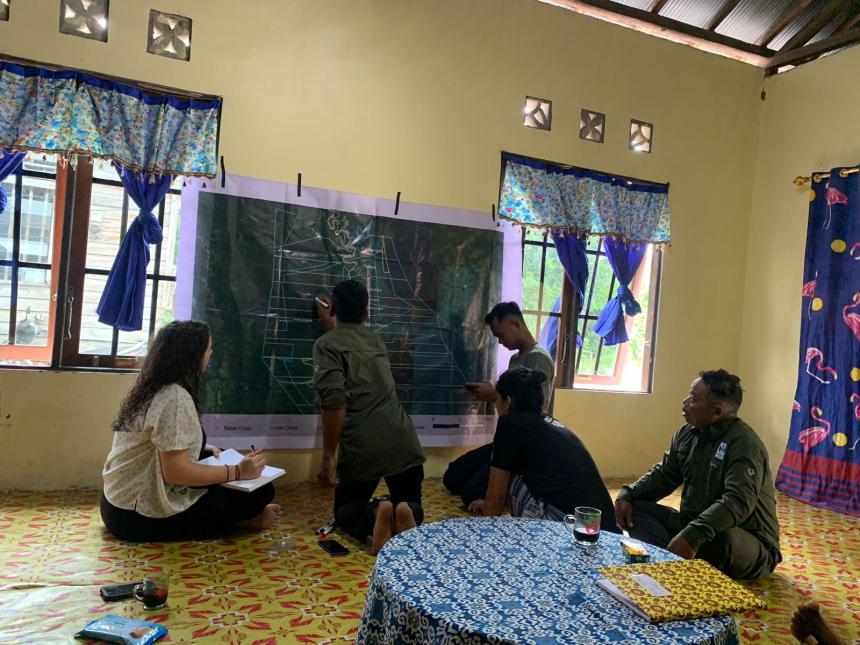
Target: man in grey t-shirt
pixel 509 327
pixel 468 475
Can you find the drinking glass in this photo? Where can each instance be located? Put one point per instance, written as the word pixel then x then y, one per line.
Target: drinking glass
pixel 152 590
pixel 584 524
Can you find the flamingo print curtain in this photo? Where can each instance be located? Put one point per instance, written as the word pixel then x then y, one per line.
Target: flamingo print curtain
pixel 821 464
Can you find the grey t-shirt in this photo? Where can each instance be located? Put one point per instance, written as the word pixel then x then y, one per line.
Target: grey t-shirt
pixel 537 358
pixel 132 473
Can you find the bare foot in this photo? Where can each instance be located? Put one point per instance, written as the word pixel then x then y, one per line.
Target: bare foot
pixel 265 520
pixel 382 529
pixel 808 623
pixel 404 519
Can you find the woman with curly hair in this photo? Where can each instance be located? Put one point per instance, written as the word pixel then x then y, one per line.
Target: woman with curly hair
pixel 153 488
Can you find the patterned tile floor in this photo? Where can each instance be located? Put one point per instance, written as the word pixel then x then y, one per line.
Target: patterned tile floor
pixel 54 555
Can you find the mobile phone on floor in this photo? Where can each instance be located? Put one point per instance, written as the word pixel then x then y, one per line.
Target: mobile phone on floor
pixel 333 547
pixel 122 591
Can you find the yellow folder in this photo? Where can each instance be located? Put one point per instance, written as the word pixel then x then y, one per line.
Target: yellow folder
pixel 677 590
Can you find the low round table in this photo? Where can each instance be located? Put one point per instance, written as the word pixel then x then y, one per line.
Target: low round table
pixel 506 580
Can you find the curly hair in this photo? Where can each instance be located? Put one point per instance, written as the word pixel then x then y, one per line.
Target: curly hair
pixel 524 387
pixel 174 357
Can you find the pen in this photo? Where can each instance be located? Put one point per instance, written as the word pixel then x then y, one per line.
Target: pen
pixel 253 449
pixel 322 302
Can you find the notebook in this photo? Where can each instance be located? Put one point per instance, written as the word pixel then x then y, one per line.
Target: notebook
pixel 231 457
pixel 677 590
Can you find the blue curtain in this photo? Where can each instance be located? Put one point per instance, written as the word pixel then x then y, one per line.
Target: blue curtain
pixel 121 304
pixel 821 464
pixel 625 260
pixel 549 331
pixel 571 253
pixel 10 161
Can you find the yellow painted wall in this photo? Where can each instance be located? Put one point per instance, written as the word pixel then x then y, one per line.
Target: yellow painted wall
pixel 809 123
pixel 378 96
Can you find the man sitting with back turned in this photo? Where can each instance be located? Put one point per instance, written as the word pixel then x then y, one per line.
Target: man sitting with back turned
pixel 364 422
pixel 469 475
pixel 728 505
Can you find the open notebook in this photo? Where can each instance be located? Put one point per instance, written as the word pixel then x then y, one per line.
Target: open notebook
pixel 231 457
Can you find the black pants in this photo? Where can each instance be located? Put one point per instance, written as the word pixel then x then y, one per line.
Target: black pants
pixel 354 512
pixel 216 513
pixel 468 475
pixel 736 552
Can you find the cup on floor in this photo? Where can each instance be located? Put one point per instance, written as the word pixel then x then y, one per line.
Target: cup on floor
pixel 152 590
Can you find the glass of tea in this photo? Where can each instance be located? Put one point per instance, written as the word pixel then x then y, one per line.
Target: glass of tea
pixel 152 590
pixel 584 524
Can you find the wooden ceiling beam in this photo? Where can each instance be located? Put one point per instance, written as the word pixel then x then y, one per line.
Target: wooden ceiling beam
pixel 658 25
pixel 809 52
pixel 819 20
pixel 788 16
pixel 722 14
pixel 848 24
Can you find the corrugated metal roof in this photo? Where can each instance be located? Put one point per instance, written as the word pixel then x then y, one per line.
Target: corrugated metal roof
pixel 750 21
pixel 799 23
pixel 638 4
pixel 694 12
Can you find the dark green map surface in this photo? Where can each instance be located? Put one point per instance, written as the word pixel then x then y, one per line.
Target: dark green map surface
pixel 259 264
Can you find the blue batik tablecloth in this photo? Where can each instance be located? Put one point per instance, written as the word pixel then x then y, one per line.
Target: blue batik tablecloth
pixel 505 580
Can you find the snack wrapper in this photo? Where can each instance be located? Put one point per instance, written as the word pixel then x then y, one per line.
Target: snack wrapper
pixel 635 551
pixel 121 630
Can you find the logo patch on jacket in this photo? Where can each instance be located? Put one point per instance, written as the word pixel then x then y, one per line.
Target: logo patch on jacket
pixel 721 450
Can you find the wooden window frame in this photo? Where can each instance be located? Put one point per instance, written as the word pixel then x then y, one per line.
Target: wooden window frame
pixel 11 351
pixel 568 358
pixel 70 355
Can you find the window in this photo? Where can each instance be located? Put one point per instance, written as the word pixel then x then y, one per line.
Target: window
pixel 106 212
pixel 29 259
pixel 35 242
pixel 548 295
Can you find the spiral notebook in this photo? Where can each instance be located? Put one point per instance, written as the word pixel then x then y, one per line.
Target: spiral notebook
pixel 677 590
pixel 232 457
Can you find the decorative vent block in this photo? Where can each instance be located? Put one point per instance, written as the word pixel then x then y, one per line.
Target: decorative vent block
pixel 538 113
pixel 592 125
pixel 169 35
pixel 641 135
pixel 85 18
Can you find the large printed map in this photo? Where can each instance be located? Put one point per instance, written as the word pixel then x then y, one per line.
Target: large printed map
pixel 259 264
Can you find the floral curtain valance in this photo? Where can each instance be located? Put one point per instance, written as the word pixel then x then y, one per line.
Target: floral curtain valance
pixel 555 197
pixel 72 112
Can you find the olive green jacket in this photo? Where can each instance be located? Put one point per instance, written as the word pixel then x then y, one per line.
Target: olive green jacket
pixel 727 483
pixel 352 371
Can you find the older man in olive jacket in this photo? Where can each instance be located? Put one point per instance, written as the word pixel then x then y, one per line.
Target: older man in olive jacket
pixel 728 505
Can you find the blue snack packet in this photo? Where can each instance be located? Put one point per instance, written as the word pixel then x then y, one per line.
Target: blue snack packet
pixel 124 631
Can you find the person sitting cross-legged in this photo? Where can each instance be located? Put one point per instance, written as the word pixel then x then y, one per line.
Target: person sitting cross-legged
pixel 728 504
pixel 154 489
pixel 539 468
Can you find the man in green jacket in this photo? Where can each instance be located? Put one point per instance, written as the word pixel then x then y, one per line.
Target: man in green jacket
pixel 728 504
pixel 364 425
